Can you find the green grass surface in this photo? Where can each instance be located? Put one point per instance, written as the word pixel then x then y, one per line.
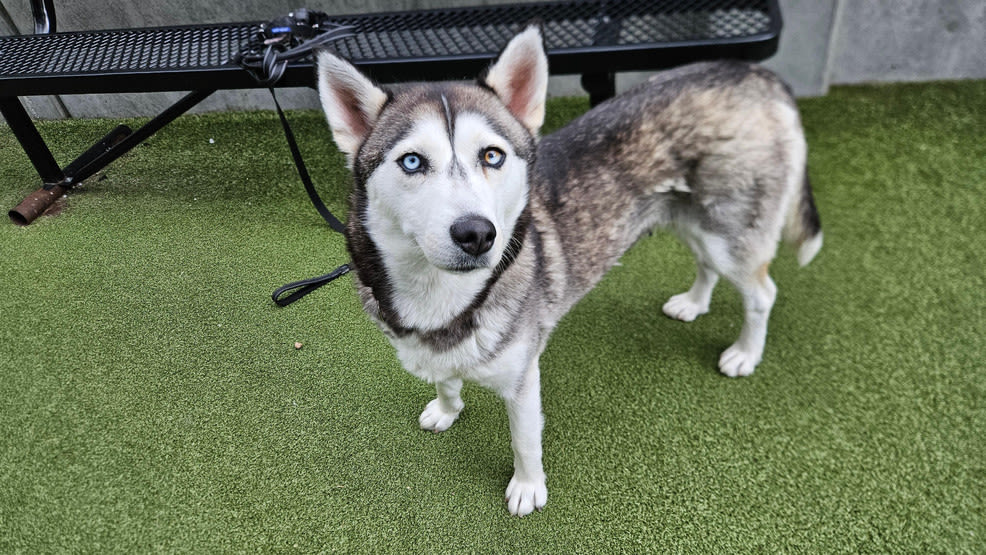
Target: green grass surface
pixel 151 398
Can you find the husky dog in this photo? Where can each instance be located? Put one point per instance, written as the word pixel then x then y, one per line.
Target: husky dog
pixel 470 238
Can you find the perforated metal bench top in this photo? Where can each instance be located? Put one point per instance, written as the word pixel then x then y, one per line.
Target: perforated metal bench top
pixel 582 36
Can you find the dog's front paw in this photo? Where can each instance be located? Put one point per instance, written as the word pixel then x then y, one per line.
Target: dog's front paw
pixel 438 418
pixel 736 361
pixel 523 496
pixel 682 307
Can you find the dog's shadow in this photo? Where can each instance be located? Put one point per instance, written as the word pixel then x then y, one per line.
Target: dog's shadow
pixel 621 323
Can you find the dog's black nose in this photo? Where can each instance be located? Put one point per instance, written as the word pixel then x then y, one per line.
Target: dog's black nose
pixel 473 234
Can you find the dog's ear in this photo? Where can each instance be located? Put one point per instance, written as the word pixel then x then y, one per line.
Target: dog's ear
pixel 350 100
pixel 520 77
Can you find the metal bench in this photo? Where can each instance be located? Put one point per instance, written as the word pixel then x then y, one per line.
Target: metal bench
pixel 591 38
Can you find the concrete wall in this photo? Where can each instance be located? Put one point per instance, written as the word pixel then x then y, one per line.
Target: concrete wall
pixel 914 40
pixel 824 42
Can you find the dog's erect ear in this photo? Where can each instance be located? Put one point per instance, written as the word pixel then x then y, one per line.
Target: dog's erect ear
pixel 350 100
pixel 520 77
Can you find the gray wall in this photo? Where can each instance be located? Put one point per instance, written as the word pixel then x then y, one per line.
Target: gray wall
pixel 824 42
pixel 914 41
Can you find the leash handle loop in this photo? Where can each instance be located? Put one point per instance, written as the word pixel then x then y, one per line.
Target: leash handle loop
pixel 298 289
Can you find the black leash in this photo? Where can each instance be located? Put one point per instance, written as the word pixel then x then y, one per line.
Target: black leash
pixel 266 57
pixel 298 289
pixel 306 179
pixel 287 39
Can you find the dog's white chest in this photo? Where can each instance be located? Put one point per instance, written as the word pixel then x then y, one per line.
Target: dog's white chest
pixel 468 361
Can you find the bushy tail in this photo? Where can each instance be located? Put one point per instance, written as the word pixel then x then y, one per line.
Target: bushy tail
pixel 804 227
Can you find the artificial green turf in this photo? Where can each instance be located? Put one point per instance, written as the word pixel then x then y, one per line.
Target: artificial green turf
pixel 152 398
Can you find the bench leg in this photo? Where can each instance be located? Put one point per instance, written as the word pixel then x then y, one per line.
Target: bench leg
pixel 600 86
pixel 57 181
pixel 31 141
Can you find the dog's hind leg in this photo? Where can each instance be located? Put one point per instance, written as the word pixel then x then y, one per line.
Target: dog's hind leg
pixel 758 292
pixel 710 252
pixel 442 411
pixel 693 303
pixel 744 267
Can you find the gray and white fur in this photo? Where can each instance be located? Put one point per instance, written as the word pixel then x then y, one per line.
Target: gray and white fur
pixel 470 237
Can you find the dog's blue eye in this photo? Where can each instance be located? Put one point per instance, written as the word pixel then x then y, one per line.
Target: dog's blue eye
pixel 411 162
pixel 492 157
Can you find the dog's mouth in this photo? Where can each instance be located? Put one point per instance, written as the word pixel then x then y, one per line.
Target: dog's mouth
pixel 464 266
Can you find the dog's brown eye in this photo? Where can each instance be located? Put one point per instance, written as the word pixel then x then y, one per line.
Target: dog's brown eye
pixel 492 157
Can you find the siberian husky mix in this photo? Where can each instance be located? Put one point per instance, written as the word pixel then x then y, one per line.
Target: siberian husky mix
pixel 470 237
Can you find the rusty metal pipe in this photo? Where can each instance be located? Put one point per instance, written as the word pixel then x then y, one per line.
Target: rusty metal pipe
pixel 35 204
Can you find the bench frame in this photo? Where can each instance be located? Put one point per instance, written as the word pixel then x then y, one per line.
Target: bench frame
pixel 597 63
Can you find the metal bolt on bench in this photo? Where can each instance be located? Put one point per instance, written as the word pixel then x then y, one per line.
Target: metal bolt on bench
pixel 592 38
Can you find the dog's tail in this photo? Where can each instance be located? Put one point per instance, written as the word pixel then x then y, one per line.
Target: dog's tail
pixel 804 227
